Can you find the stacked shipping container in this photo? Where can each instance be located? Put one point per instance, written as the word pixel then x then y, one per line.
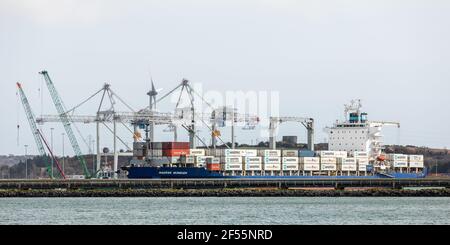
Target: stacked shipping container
pixel 347 164
pixel 253 163
pixel 415 161
pixel 309 163
pixel 290 163
pixel 172 149
pixel 252 160
pixel 328 164
pixel 398 160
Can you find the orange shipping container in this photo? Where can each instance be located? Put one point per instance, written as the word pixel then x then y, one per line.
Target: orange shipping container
pixel 175 152
pixel 213 166
pixel 175 145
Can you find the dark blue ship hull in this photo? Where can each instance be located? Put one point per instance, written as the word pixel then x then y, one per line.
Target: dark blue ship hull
pixel 202 173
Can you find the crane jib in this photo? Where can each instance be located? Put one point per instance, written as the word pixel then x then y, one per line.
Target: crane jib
pixel 57 101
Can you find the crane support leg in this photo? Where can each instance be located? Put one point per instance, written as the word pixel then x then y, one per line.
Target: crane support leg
pixel 99 156
pixel 175 133
pixel 213 137
pixel 272 143
pixel 310 128
pixel 192 139
pixel 152 129
pixel 191 130
pixel 135 139
pixel 116 156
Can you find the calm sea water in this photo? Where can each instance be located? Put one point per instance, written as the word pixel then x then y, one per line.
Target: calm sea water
pixel 226 210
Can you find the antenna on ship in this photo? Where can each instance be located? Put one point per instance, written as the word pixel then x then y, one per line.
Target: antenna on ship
pixel 354 108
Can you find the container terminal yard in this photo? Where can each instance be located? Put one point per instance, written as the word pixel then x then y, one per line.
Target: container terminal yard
pixel 354 159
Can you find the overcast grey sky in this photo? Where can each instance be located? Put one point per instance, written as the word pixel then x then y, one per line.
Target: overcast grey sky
pixel 394 55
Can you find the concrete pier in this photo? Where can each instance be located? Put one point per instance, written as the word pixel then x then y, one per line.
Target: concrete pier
pixel 339 184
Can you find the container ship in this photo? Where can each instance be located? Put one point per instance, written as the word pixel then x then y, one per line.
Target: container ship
pixel 354 151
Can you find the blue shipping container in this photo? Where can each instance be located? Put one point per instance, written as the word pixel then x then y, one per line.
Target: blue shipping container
pixel 306 153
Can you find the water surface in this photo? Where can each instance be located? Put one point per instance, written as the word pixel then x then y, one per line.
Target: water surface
pixel 226 210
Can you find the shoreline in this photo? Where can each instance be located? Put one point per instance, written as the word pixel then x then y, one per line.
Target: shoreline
pixel 375 192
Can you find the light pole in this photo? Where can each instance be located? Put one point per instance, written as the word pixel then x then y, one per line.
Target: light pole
pixel 26 162
pixel 63 156
pixel 436 165
pixel 51 146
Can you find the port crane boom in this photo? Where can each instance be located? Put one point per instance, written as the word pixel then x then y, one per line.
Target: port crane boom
pixel 31 120
pixel 123 117
pixel 308 123
pixel 38 137
pixel 65 121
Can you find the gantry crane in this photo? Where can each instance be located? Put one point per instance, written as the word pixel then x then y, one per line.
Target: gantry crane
pixel 65 121
pixel 145 117
pixel 308 123
pixel 220 115
pixel 38 137
pixel 110 115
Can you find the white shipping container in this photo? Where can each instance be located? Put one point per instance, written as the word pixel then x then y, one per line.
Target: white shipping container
pixel 359 154
pixel 272 160
pixel 253 160
pixel 309 160
pixel 290 166
pixel 233 160
pixel 200 161
pixel 342 154
pixel 349 167
pixel 345 161
pixel 310 166
pixel 333 153
pixel 233 166
pixel 347 164
pixel 362 167
pixel 400 164
pixel 249 153
pixel 328 166
pixel 416 164
pixel 289 160
pixel 363 161
pixel 272 153
pixel 272 167
pixel 326 153
pixel 289 153
pixel 197 152
pixel 233 153
pixel 328 160
pixel 397 157
pixel 415 158
pixel 253 166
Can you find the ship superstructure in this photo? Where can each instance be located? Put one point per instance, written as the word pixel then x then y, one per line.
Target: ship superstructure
pixel 356 133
